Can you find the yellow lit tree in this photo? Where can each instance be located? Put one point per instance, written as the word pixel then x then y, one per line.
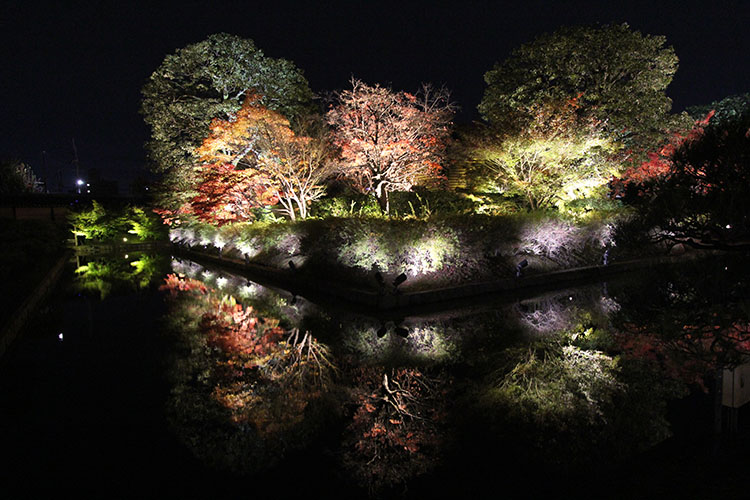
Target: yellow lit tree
pixel 557 155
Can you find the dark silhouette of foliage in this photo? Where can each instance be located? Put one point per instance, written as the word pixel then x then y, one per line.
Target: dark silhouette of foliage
pixel 704 199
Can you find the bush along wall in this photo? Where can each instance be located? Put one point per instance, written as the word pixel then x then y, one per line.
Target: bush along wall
pixel 431 253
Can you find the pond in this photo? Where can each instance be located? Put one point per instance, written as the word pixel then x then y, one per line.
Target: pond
pixel 149 375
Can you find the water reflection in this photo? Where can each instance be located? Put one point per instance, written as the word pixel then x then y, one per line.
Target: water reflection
pixel 128 272
pixel 246 389
pixel 564 380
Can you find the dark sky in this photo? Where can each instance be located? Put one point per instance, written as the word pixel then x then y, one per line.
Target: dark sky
pixel 75 70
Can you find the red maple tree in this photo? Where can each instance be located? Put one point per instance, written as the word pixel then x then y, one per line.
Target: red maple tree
pixel 659 163
pixel 256 159
pixel 390 140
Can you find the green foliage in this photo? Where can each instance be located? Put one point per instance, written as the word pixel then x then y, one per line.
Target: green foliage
pixel 596 205
pixel 97 223
pixel 106 224
pixel 565 406
pixel 418 203
pixel 557 386
pixel 619 74
pixel 545 169
pixel 349 204
pixel 146 225
pixel 133 272
pixel 208 80
pixel 727 109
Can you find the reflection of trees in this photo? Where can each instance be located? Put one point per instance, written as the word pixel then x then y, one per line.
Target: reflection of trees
pixel 562 311
pixel 692 320
pixel 396 433
pixel 266 301
pixel 563 404
pixel 373 341
pixel 105 275
pixel 247 390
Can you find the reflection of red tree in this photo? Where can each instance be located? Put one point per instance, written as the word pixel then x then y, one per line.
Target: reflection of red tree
pixel 174 284
pixel 239 335
pixel 694 353
pixel 395 433
pixel 262 374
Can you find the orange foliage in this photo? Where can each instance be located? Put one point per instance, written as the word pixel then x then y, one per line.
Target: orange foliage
pixel 254 160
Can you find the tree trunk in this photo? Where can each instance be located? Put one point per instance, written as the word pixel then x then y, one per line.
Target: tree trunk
pixel 302 205
pixel 381 193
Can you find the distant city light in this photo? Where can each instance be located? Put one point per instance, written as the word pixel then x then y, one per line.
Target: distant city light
pixel 60 336
pixel 79 182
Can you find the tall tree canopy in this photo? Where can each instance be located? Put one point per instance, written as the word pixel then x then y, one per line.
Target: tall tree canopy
pixel 390 140
pixel 619 76
pixel 208 80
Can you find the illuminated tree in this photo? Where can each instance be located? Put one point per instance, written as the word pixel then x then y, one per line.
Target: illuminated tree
pixel 556 155
pixel 227 194
pixel 208 80
pixel 390 140
pixel 619 74
pixel 256 159
pixel 638 181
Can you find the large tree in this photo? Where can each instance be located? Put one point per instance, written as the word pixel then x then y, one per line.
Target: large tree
pixel 203 81
pixel 619 76
pixel 557 155
pixel 255 158
pixel 390 140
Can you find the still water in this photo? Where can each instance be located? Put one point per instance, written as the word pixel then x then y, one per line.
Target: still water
pixel 153 376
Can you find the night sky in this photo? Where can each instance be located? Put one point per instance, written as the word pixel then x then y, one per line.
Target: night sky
pixel 75 71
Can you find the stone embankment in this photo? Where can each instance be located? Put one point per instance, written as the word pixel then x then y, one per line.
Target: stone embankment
pixel 390 298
